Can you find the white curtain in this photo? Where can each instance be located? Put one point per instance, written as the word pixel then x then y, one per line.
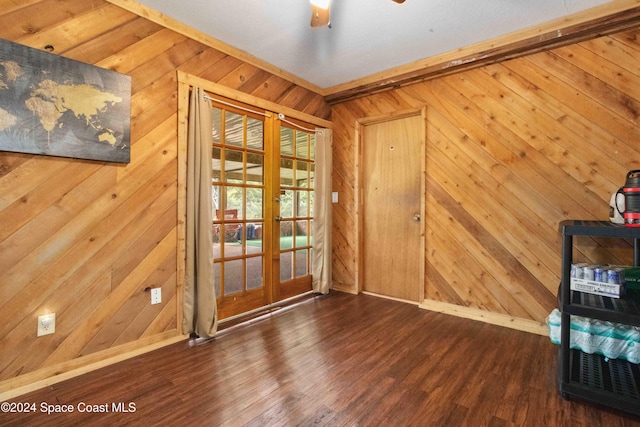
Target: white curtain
pixel 200 310
pixel 322 213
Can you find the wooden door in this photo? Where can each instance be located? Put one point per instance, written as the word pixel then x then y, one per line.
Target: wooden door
pixel 392 234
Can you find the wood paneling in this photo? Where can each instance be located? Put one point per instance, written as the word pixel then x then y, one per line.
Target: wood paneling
pixel 512 149
pixel 84 239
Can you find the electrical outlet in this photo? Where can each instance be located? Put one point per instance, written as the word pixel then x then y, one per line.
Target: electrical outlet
pixel 156 295
pixel 46 324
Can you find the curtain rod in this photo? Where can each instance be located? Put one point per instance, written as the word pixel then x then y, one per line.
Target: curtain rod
pixel 237 106
pixel 281 116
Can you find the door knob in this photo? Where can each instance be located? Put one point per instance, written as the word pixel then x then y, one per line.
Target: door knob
pixel 416 217
pixel 278 218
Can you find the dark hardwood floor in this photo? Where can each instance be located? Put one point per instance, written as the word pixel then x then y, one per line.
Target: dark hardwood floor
pixel 332 361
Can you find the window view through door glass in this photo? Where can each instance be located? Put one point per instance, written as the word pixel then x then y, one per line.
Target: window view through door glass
pixel 297 170
pixel 237 196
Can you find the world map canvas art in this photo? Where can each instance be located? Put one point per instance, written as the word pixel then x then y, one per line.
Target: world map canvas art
pixel 61 107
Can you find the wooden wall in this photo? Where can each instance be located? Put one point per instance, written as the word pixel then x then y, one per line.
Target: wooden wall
pixel 512 149
pixel 84 239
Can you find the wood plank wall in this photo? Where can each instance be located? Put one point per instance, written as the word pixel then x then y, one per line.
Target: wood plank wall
pixel 84 239
pixel 512 149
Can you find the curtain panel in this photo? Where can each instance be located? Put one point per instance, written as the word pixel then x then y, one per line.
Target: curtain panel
pixel 200 310
pixel 322 213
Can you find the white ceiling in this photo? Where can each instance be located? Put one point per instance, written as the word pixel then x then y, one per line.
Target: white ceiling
pixel 366 36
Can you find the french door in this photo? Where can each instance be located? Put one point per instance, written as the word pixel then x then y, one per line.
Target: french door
pixel 262 201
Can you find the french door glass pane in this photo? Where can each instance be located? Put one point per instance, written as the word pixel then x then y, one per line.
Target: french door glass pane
pixel 312 146
pixel 301 263
pixel 216 278
pixel 233 166
pixel 216 197
pixel 286 234
pixel 254 272
pixel 254 203
pixel 233 276
pixel 232 245
pixel 255 132
pixel 217 125
pixel 216 200
pixel 216 164
pixel 312 173
pixel 302 145
pixel 286 173
pixel 302 231
pixel 253 241
pixel 234 203
pixel 286 266
pixel 286 141
pixel 302 202
pixel 286 203
pixel 302 175
pixel 255 169
pixel 234 129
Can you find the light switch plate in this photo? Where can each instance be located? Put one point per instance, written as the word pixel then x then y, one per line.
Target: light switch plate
pixel 334 197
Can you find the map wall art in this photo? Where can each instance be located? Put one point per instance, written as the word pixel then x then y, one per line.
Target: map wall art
pixel 60 107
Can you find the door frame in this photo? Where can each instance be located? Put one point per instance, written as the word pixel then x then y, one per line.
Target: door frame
pixel 185 83
pixel 359 192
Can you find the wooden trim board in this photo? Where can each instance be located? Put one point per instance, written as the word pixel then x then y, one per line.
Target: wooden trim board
pixel 181 250
pixel 343 287
pixel 45 377
pixel 180 28
pixel 390 298
pixel 242 97
pixel 615 16
pixel 524 325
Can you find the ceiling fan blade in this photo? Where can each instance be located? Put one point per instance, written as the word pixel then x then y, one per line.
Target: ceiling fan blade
pixel 320 17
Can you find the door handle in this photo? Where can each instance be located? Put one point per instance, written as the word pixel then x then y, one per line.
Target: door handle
pixel 416 217
pixel 278 218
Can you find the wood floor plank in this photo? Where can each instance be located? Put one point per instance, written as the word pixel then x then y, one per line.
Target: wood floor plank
pixel 337 360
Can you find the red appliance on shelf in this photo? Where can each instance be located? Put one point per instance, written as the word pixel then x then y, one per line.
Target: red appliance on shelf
pixel 631 191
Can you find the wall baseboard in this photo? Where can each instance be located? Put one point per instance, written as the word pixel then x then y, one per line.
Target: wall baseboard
pixel 343 287
pixel 391 298
pixel 50 375
pixel 526 325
